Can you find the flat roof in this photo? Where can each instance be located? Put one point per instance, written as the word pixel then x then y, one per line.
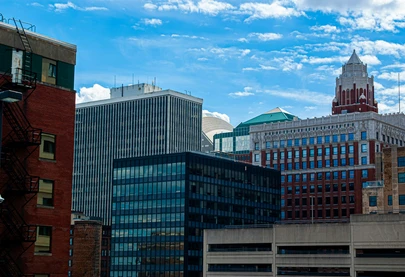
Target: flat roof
pixel 136 97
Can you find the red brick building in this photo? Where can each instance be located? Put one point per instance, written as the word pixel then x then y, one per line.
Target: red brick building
pixel 325 162
pixel 36 153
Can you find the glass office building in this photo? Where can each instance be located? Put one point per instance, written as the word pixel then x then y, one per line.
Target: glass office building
pixel 141 124
pixel 161 205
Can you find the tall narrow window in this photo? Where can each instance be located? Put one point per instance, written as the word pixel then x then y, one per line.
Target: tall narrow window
pixel 45 193
pixel 43 242
pixel 47 148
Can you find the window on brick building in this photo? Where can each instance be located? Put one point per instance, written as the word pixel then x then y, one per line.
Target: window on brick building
pixel 304 153
pixel 319 164
pixel 343 149
pixel 44 238
pixel 327 163
pixel 401 177
pixel 372 200
pixel 304 165
pixel 268 144
pixel 402 199
pixel 335 150
pixel 364 174
pixel 401 161
pixel 343 187
pixel 289 155
pixel 45 193
pixel 267 156
pixel 289 142
pixel 342 137
pixel 47 147
pixel 297 142
pixel 257 158
pixel 304 177
pixel 319 152
pixel 364 135
pixel 311 152
pixel 343 199
pixel 343 162
pixel 282 143
pixel 351 161
pixel 351 137
pixel 327 139
pixel 351 149
pixel 319 189
pixel 311 140
pixel 282 155
pixel 335 138
pixel 327 151
pixel 364 148
pixel 389 200
pixel 297 154
pixel 319 140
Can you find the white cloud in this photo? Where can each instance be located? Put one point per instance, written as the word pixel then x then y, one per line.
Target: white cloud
pixel 301 96
pixel 210 7
pixel 262 67
pixel 150 6
pixel 222 116
pixel 326 28
pixel 213 7
pixel 60 7
pixel 263 10
pixel 94 93
pixel 391 76
pixel 242 40
pixel 266 36
pixel 245 93
pixel 35 4
pixel 152 21
pixel 245 52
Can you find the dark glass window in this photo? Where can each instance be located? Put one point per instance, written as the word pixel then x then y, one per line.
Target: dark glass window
pixel 372 201
pixel 364 135
pixel 401 161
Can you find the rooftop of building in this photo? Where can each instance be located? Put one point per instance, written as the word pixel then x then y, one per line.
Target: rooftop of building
pixel 396 120
pixel 354 59
pixel 140 96
pixel 272 116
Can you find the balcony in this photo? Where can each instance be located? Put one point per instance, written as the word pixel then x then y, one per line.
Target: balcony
pixel 373 184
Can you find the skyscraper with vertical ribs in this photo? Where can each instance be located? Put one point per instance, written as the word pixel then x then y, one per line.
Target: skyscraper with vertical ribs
pixel 138 120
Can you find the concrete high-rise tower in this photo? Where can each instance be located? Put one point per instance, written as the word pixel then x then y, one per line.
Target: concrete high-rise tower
pixel 354 89
pixel 138 120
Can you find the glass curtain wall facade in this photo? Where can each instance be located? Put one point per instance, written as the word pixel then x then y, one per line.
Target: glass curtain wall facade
pixel 161 205
pixel 148 124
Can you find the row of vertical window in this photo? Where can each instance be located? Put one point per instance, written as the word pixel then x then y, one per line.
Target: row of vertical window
pixel 333 200
pixel 311 140
pixel 320 152
pixel 328 176
pixel 318 164
pixel 327 213
pixel 147 232
pixel 319 188
pixel 373 200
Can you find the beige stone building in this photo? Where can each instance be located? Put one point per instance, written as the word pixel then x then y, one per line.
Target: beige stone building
pixel 387 193
pixel 370 245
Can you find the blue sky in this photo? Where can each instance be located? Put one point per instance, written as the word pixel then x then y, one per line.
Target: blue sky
pixel 243 58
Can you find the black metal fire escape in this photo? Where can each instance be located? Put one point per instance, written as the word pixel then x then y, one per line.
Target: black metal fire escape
pixel 17 186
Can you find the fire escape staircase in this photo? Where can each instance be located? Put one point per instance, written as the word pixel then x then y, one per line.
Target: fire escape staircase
pixel 17 186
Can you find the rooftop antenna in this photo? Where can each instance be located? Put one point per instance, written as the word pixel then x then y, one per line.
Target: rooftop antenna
pixel 122 90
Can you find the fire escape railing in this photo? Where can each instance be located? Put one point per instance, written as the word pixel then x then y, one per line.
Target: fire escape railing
pixel 18 187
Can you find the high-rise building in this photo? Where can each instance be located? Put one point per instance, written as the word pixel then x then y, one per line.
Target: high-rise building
pixel 161 205
pixel 325 162
pixel 145 121
pixel 212 125
pixel 354 89
pixel 386 194
pixel 36 140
